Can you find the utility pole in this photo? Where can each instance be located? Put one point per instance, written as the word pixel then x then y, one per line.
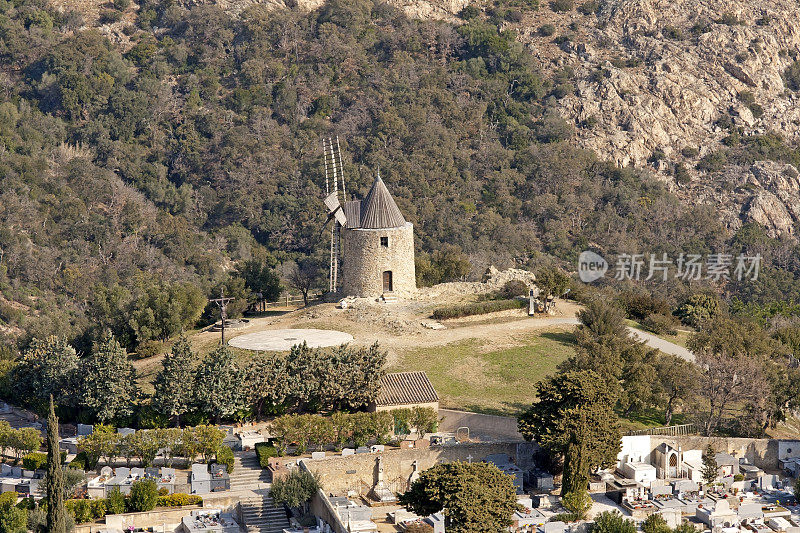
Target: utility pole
pixel 222 303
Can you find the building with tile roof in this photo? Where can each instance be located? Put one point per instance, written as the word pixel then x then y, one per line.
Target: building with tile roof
pixel 405 390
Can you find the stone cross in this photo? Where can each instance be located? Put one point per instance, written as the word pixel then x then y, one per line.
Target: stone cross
pixel 469 458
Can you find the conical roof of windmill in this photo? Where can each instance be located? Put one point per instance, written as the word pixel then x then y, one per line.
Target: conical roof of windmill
pixel 378 210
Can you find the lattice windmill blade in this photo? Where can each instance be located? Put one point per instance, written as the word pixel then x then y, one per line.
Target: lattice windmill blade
pixel 335 208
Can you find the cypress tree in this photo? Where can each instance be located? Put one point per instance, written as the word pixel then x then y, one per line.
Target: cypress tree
pixel 56 513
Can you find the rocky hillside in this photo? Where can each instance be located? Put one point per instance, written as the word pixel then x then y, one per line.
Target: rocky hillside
pixel 664 82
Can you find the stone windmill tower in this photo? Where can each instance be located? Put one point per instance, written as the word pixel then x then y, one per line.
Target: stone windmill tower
pixel 371 240
pixel 377 246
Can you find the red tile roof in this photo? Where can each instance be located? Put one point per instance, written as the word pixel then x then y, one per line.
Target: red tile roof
pixel 405 388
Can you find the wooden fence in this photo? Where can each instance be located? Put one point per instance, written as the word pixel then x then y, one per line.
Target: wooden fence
pixel 669 431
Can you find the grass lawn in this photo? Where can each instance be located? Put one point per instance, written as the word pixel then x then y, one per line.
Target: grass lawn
pixel 475 376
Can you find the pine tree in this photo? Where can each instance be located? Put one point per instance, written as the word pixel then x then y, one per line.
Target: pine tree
pixel 709 465
pixel 56 512
pixel 219 384
pixel 109 381
pixel 574 417
pixel 477 497
pixel 48 368
pixel 174 385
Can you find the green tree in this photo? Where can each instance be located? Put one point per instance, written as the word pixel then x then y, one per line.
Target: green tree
pixel 109 389
pixel 144 495
pixel 710 466
pixel 551 281
pixel 47 368
pixel 296 489
pixel 574 418
pixel 612 522
pixel 56 513
pixel 655 523
pixel 218 384
pixel 475 497
pixel 174 384
pixel 261 278
pixel 698 308
pixel 24 441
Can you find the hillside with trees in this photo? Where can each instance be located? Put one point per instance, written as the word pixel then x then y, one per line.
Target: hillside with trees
pixel 140 175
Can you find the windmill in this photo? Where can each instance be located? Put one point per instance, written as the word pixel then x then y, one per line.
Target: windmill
pixel 333 170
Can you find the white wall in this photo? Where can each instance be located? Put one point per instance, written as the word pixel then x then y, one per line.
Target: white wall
pixel 635 449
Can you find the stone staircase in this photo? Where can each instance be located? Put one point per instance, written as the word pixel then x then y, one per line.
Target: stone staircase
pixel 389 298
pixel 261 515
pixel 247 473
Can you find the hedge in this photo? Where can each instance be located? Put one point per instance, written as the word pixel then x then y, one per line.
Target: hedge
pixel 84 510
pixel 225 457
pixel 478 308
pixel 34 461
pixel 179 499
pixel 264 451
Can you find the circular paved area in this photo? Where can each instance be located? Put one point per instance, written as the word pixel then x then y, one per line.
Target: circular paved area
pixel 279 340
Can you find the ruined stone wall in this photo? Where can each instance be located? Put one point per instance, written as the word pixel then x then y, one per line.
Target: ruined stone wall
pixel 359 472
pixel 364 260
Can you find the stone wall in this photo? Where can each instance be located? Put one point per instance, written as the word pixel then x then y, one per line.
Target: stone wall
pixel 764 453
pixel 358 473
pixel 485 428
pixel 364 260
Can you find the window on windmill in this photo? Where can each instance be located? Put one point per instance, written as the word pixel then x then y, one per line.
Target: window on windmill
pixel 385 242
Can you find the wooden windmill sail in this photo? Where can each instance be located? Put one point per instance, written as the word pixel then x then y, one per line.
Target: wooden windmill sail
pixel 334 172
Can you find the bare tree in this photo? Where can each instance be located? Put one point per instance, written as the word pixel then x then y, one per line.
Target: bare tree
pixel 303 275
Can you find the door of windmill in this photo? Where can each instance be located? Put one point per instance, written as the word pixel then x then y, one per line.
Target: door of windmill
pixel 387 281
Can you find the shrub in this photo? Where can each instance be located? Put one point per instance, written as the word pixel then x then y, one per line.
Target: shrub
pixel 81 462
pixel 81 510
pixel 98 508
pixel 149 348
pixel 713 161
pixel 655 523
pixel 264 451
pixel 122 4
pixel 671 32
pixel 612 522
pixel 791 76
pixel 514 288
pixel 115 502
pixel 659 324
pixel 34 461
pixel 225 457
pixel 144 495
pixel 682 174
pixel 690 151
pixel 295 489
pixel 109 16
pixel 738 477
pixel 163 491
pixel 697 308
pixel 729 19
pixel 8 500
pixel 562 6
pixel 589 8
pixel 477 308
pixel 577 502
pixel 179 500
pixel 546 30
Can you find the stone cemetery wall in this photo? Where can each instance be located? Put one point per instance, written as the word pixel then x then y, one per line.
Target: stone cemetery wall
pixel 358 473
